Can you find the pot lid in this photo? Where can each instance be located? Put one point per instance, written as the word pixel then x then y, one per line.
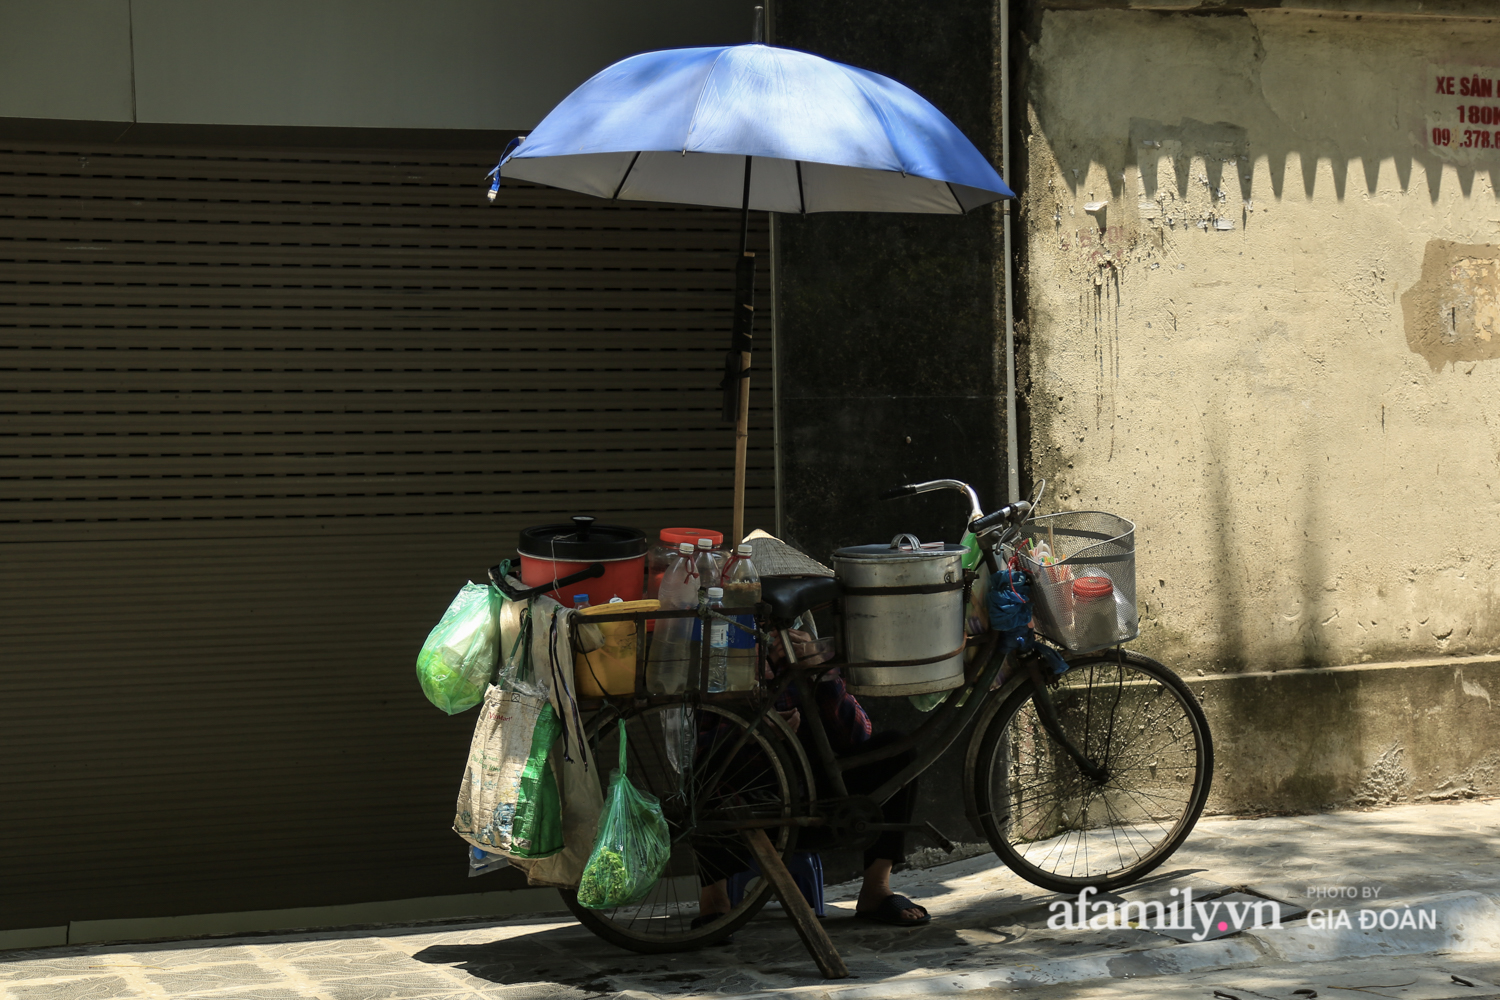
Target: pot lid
pixel 901 547
pixel 581 541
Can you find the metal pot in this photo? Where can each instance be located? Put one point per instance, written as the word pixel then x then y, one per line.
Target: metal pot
pixel 903 616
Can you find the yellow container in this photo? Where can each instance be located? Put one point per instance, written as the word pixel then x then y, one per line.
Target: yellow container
pixel 605 662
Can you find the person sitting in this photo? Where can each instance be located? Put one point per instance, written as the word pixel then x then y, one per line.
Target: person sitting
pixel 849 732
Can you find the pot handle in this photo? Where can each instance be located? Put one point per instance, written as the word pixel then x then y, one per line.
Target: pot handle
pixel 910 541
pixel 497 577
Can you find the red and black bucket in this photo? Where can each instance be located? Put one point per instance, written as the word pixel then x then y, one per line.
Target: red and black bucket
pixel 553 551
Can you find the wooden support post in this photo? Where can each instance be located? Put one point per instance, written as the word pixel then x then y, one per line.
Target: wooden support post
pixel 830 962
pixel 741 446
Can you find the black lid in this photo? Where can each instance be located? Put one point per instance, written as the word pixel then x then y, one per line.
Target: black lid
pixel 582 541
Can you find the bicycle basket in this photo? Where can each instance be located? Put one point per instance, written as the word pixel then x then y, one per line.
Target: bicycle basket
pixel 1082 566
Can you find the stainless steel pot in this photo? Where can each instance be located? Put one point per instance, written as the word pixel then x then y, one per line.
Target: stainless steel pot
pixel 903 616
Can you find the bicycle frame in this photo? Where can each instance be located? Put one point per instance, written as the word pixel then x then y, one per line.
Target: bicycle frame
pixel 940 731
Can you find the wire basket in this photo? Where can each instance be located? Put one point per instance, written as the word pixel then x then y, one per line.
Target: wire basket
pixel 1085 594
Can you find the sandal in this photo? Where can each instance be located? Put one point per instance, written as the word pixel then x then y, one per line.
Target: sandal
pixel 889 912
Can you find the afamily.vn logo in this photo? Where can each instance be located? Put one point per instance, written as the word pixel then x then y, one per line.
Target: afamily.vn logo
pixel 1180 914
pixel 1200 919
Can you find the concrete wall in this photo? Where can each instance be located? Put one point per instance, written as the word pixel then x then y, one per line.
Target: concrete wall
pixel 431 64
pixel 1273 341
pixel 1313 739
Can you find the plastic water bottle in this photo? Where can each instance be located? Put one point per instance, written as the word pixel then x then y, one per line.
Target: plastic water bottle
pixel 741 590
pixel 718 645
pixel 671 644
pixel 710 565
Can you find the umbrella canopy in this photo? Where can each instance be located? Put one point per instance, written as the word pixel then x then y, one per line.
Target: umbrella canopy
pixel 677 126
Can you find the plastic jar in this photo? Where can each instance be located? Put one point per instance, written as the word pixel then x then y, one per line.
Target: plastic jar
pixel 1094 621
pixel 661 552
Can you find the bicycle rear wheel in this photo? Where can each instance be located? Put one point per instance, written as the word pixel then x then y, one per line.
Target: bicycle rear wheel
pixel 1058 828
pixel 733 775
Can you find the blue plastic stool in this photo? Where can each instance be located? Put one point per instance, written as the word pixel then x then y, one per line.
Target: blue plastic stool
pixel 806 869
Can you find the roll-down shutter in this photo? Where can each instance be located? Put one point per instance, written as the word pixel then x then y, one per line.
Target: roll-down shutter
pixel 262 412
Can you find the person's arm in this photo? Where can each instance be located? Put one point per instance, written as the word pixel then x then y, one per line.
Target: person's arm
pixel 842 716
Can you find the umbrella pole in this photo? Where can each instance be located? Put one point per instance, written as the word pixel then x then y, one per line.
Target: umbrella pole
pixel 744 299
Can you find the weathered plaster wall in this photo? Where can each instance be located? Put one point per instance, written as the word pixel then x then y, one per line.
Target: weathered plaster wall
pixel 1275 344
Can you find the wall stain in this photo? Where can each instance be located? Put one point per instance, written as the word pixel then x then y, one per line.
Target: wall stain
pixel 1452 313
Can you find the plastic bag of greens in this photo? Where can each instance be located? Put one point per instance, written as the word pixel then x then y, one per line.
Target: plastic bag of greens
pixel 632 847
pixel 459 656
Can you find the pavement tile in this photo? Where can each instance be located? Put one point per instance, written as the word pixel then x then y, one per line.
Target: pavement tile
pixel 213 977
pixel 24 970
pixel 94 988
pixel 344 966
pixel 406 986
pixel 175 956
pixel 318 947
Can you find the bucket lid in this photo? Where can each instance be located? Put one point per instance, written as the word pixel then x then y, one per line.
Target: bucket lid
pixel 674 536
pixel 581 541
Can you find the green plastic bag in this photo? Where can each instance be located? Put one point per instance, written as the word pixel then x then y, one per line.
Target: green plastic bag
pixel 536 830
pixel 459 656
pixel 632 848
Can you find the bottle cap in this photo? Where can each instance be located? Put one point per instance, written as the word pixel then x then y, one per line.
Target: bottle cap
pixel 715 593
pixel 705 543
pixel 580 598
pixel 746 549
pixel 684 547
pixel 1091 588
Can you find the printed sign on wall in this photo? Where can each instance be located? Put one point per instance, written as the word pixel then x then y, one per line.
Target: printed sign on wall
pixel 1463 113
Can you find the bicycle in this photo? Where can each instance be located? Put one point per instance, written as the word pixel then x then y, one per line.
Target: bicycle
pixel 1090 777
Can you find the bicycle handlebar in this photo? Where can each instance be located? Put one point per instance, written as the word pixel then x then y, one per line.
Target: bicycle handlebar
pixel 1010 512
pixel 975 511
pixel 979 521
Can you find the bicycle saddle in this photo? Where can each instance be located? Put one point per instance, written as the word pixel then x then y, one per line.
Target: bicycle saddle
pixel 789 596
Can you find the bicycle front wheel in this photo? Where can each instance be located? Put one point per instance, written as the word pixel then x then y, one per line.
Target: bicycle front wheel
pixel 713 773
pixel 1062 830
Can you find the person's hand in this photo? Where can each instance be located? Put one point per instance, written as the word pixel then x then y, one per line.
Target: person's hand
pixel 793 718
pixel 808 654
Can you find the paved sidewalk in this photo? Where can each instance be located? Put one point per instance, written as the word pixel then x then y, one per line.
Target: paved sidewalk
pixel 989 936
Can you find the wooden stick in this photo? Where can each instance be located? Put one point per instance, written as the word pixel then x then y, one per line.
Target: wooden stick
pixel 741 443
pixel 830 962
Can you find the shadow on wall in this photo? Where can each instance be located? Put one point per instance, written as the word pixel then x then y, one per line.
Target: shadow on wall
pixel 1295 579
pixel 1162 93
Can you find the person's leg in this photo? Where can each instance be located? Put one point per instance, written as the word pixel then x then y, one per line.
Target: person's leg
pixel 718 859
pixel 713 898
pixel 890 847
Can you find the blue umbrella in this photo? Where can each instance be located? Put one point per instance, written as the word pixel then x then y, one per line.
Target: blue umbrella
pixel 763 128
pixel 684 125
